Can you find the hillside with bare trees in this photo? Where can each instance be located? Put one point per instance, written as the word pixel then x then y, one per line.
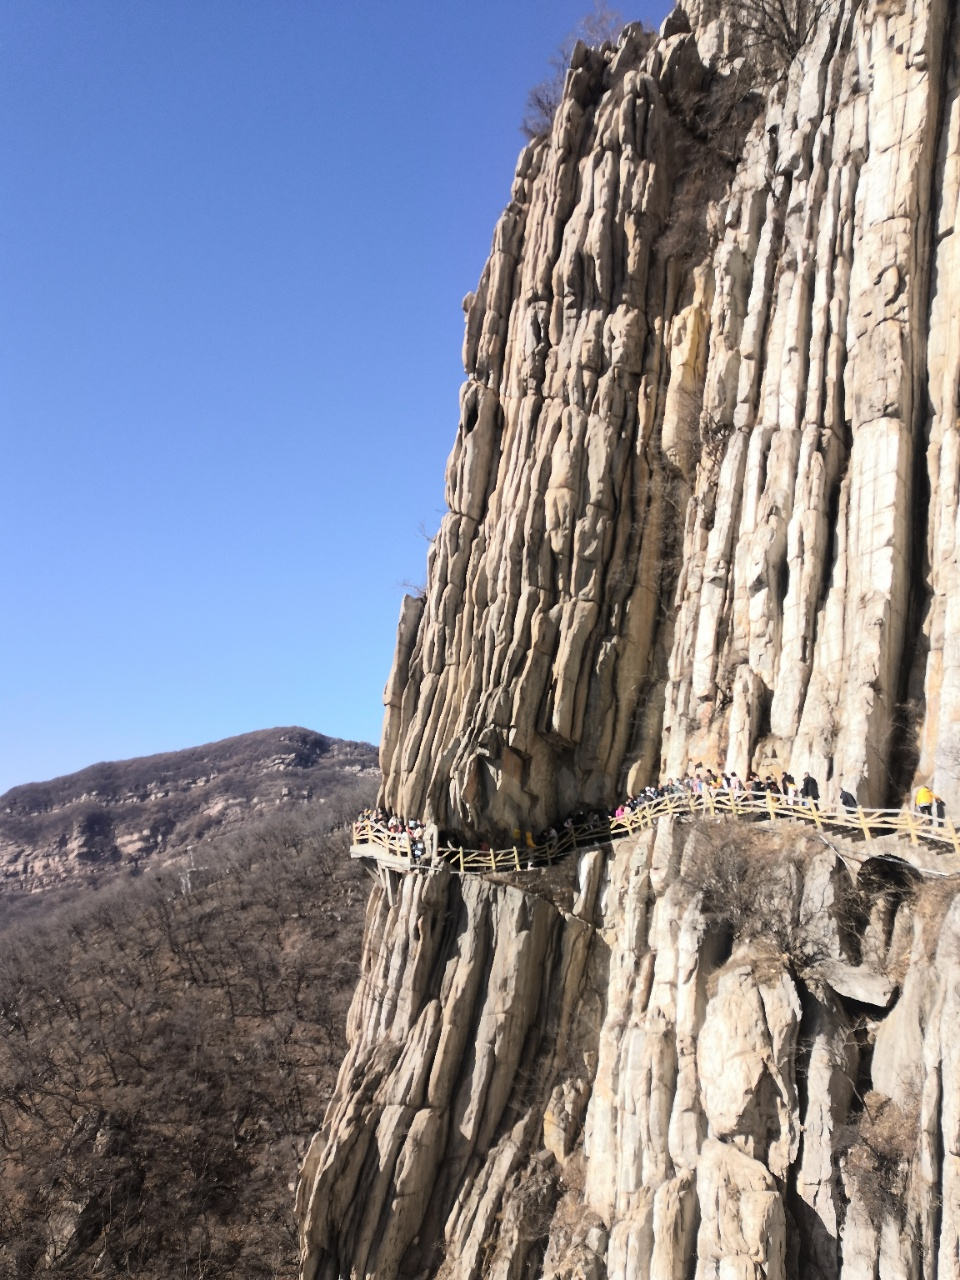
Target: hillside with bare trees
pixel 164 1056
pixel 126 815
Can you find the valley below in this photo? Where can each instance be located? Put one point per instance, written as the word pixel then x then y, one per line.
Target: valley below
pixel 169 1039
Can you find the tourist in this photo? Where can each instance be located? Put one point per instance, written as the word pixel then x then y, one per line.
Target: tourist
pixel 925 801
pixel 848 801
pixel 809 790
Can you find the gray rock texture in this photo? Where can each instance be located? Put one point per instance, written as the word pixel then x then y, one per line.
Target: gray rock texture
pixel 704 495
pixel 720 1051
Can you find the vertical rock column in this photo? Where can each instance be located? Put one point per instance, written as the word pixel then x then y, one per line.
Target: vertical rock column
pixel 533 682
pixel 798 612
pixel 940 758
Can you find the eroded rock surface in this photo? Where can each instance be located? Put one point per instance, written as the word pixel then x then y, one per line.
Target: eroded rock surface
pixel 704 495
pixel 659 1073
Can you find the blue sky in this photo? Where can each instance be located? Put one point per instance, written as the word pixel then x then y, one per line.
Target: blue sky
pixel 234 239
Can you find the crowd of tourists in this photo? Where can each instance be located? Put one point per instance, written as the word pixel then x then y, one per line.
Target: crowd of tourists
pixel 700 781
pixel 411 836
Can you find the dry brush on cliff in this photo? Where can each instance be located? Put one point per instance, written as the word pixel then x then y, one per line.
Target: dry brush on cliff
pixel 771 33
pixel 600 25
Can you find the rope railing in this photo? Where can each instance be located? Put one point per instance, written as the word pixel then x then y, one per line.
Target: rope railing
pixel 870 823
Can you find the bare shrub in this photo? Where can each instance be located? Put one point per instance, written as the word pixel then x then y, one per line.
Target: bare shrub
pixel 736 885
pixel 749 889
pixel 597 27
pixel 531 1204
pixel 878 1145
pixel 714 437
pixel 543 101
pixel 713 120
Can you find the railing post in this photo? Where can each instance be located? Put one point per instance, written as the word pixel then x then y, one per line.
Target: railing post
pixel 516 857
pixel 863 823
pixel 771 807
pixel 912 825
pixel 952 833
pixel 462 868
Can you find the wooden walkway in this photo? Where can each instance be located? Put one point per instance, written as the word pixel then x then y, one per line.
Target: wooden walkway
pixel 370 840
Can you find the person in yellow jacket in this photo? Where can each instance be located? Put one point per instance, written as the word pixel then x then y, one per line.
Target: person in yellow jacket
pixel 925 799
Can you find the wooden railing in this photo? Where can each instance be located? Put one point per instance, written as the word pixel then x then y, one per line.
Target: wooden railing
pixel 870 823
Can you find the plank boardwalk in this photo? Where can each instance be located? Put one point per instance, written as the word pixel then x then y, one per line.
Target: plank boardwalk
pixel 393 851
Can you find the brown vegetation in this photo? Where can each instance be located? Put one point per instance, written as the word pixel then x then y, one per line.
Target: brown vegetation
pixel 879 1144
pixel 164 1057
pixel 772 32
pixel 748 886
pixel 714 117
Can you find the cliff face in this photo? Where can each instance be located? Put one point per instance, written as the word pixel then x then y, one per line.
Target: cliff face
pixel 718 1052
pixel 704 492
pixel 703 506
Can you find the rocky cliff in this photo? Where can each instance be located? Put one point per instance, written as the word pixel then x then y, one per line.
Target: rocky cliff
pixel 703 505
pixel 703 498
pixel 716 1051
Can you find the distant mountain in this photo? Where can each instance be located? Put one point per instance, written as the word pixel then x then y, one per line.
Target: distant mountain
pixel 123 813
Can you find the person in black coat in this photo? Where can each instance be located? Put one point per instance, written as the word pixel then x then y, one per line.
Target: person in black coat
pixel 809 789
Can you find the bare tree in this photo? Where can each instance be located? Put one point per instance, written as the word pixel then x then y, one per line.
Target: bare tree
pixel 772 32
pixel 598 26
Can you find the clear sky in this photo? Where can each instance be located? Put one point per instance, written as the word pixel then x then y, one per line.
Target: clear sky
pixel 234 240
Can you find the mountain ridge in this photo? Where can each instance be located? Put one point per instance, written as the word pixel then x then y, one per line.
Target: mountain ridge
pixel 120 813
